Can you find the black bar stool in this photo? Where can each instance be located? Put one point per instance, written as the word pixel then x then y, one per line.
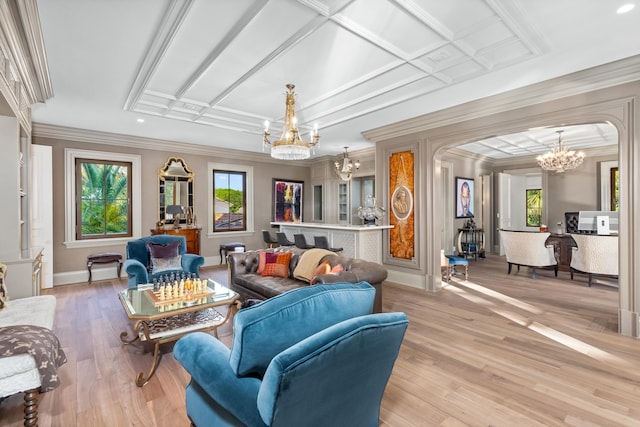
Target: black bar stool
pixel 282 239
pixel 268 239
pixel 322 243
pixel 301 242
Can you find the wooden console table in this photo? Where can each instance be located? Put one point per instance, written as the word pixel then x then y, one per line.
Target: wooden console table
pixel 192 234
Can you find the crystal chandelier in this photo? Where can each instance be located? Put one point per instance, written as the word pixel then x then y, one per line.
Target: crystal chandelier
pixel 560 159
pixel 345 169
pixel 290 146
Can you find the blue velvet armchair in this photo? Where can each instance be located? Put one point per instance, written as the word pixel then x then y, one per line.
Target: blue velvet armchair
pixel 138 264
pixel 313 356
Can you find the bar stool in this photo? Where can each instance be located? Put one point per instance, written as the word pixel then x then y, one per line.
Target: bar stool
pixel 301 242
pixel 322 243
pixel 282 239
pixel 268 239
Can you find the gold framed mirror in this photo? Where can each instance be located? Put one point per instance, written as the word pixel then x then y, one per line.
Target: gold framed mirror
pixel 175 189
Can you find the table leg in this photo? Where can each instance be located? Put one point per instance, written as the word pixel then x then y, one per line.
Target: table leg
pixel 89 265
pixel 125 334
pixel 141 379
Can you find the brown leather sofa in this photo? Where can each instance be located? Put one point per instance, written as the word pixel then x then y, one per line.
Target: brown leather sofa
pixel 244 280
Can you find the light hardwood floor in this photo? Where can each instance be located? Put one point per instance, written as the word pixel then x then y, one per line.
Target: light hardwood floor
pixel 497 350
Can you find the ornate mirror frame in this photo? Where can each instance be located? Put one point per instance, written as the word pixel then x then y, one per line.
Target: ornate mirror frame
pixel 175 187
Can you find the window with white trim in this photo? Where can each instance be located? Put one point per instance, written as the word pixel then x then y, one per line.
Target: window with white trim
pixel 102 198
pixel 230 199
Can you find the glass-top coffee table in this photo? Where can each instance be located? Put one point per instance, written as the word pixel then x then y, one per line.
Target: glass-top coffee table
pixel 159 321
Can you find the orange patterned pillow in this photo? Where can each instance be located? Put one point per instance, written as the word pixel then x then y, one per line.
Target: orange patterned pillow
pixel 277 270
pixel 277 264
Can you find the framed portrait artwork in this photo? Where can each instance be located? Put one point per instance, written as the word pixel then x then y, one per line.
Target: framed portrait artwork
pixel 287 200
pixel 464 197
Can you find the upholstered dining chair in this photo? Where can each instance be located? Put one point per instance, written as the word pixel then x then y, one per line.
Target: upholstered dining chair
pixel 314 356
pixel 153 256
pixel 594 255
pixel 528 249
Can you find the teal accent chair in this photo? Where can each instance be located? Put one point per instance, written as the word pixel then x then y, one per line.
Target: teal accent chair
pixel 138 263
pixel 313 356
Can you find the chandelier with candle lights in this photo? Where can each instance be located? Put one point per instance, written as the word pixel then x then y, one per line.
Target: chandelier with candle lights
pixel 290 146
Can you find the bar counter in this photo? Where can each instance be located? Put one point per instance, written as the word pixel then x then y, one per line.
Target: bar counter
pixel 357 241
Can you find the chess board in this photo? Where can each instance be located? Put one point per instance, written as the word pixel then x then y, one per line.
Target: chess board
pixel 155 298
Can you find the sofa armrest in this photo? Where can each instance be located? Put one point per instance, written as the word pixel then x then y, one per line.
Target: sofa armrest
pixel 207 361
pixel 192 263
pixel 243 263
pixel 135 268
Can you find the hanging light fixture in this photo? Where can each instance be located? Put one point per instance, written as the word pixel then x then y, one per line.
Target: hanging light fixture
pixel 560 159
pixel 345 168
pixel 290 146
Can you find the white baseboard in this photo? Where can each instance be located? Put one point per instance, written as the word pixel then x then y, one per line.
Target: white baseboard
pixel 106 273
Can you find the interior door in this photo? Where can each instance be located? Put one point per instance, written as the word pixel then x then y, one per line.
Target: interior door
pixel 511 213
pixel 42 208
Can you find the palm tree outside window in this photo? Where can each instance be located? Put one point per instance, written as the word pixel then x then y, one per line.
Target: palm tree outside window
pixel 534 207
pixel 103 194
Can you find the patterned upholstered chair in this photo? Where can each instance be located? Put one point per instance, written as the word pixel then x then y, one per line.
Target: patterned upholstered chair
pixel 142 267
pixel 19 372
pixel 528 249
pixel 595 255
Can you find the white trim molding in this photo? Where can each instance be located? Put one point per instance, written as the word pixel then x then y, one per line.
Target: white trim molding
pixel 70 156
pixel 211 166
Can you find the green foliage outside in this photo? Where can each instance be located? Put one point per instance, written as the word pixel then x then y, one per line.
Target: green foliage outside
pixel 534 208
pixel 105 199
pixel 233 197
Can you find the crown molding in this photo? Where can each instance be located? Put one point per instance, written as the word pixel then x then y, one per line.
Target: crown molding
pixel 121 140
pixel 611 74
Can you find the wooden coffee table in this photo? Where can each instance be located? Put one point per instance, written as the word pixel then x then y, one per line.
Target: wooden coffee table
pixel 160 322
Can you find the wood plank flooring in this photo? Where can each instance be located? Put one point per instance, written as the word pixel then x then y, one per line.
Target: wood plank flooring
pixel 498 350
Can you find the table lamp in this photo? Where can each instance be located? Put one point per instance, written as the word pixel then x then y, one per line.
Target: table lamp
pixel 175 211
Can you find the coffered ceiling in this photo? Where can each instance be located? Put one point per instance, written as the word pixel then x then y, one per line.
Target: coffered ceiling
pixel 210 72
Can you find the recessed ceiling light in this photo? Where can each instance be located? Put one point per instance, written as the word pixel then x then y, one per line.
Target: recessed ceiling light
pixel 626 8
pixel 140 120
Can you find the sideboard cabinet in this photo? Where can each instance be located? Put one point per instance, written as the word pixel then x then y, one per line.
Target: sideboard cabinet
pixel 192 234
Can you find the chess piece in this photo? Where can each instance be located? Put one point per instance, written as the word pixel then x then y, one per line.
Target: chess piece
pixel 161 295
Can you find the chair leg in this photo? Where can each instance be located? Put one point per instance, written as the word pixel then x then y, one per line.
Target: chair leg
pixel 571 272
pixel 533 272
pixel 555 270
pixel 509 271
pixel 590 276
pixel 466 272
pixel 31 408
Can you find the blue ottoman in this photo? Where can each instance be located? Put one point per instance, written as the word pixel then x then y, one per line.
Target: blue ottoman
pixel 458 260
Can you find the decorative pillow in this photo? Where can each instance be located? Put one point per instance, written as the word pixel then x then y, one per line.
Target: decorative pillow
pixel 3 288
pixel 262 260
pixel 163 264
pixel 337 269
pixel 323 268
pixel 327 270
pixel 277 270
pixel 169 250
pixel 277 264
